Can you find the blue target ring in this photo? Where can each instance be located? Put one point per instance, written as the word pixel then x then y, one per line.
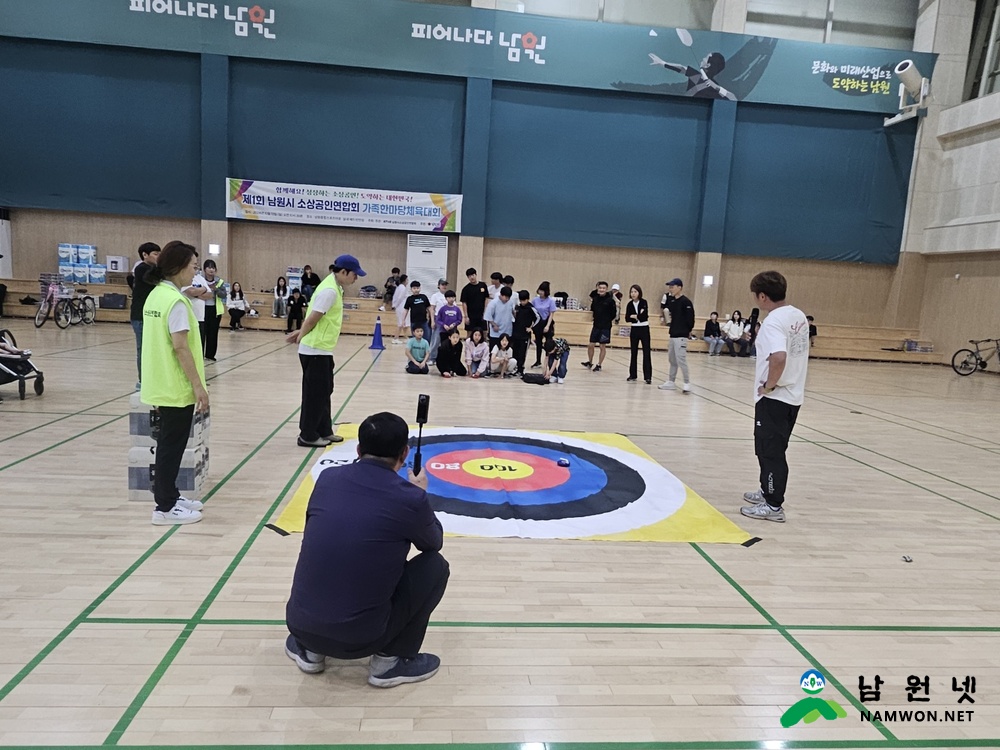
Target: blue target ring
pixel 597 484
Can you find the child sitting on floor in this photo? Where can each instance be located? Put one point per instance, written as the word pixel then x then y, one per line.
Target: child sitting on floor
pixel 477 354
pixel 449 356
pixel 418 351
pixel 502 362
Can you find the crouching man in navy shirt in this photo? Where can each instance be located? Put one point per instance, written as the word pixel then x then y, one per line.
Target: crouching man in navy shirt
pixel 354 593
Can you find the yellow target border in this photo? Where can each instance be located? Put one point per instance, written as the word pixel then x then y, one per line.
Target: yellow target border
pixel 695 521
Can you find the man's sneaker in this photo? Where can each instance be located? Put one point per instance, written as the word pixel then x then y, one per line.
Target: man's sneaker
pixel 588 365
pixel 597 368
pixel 176 516
pixel 686 388
pixel 190 504
pixel 764 512
pixel 753 497
pixel 333 438
pixel 416 669
pixel 630 380
pixel 560 381
pixel 308 661
pixel 536 365
pixel 319 443
pixel 649 382
pixel 668 386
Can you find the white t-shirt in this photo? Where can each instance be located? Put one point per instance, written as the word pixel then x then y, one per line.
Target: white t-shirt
pixel 785 329
pixel 321 301
pixel 437 301
pixel 198 305
pixel 494 290
pixel 177 318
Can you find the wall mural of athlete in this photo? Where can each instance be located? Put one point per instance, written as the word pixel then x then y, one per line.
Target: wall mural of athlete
pixel 716 77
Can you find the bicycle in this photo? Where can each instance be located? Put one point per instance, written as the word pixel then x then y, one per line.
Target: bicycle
pixel 66 311
pixel 966 361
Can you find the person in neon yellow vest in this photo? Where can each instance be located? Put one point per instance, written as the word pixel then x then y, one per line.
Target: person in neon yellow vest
pixel 173 376
pixel 317 339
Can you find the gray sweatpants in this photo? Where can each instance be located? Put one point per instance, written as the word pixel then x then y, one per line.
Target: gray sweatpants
pixel 678 358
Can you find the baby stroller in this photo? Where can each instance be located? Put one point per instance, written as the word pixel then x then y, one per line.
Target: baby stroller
pixel 18 366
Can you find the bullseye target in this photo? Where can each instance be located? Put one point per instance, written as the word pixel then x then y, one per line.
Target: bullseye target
pixel 516 483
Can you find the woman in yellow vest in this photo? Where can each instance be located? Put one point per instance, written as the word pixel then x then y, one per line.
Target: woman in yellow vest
pixel 316 339
pixel 173 376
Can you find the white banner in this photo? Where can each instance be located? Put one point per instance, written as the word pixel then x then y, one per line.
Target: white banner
pixel 344 207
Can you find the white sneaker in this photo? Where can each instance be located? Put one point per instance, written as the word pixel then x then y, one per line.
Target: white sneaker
pixel 668 386
pixel 686 388
pixel 381 308
pixel 560 380
pixel 190 504
pixel 176 516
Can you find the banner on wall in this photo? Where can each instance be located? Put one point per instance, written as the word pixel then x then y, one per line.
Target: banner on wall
pixel 480 43
pixel 362 208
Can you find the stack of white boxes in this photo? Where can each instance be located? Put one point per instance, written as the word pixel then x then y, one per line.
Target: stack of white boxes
pixel 142 453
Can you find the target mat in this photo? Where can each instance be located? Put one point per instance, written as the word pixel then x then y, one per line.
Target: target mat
pixel 542 485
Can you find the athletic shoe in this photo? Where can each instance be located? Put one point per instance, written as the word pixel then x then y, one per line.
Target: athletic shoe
pixel 686 388
pixel 190 504
pixel 308 661
pixel 630 380
pixel 212 359
pixel 597 368
pixel 381 308
pixel 333 438
pixel 667 386
pixel 320 443
pixel 763 512
pixel 431 363
pixel 176 516
pixel 588 365
pixel 560 381
pixel 416 669
pixel 537 364
pixel 649 382
pixel 753 497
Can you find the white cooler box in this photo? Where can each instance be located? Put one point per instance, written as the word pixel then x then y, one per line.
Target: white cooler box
pixel 190 479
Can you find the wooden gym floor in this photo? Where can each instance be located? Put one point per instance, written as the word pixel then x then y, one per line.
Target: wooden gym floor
pixel 115 632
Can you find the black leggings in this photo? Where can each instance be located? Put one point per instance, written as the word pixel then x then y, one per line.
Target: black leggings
pixel 640 335
pixel 234 318
pixel 540 336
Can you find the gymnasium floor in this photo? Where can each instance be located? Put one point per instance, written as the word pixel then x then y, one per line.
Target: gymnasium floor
pixel 117 632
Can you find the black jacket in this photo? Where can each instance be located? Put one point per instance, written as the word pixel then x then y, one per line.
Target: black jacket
pixel 681 316
pixel 643 314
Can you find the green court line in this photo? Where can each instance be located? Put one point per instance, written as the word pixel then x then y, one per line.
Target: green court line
pixel 812 660
pixel 512 624
pixel 116 398
pixel 770 744
pixel 82 348
pixel 61 442
pixel 122 416
pixel 161 668
pixel 825 445
pixel 23 673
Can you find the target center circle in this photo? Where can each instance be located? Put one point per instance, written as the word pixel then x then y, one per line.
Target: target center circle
pixel 491 467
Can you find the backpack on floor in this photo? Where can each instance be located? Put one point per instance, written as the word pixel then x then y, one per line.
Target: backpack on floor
pixel 535 378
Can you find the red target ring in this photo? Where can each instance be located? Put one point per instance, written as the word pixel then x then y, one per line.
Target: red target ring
pixel 497 470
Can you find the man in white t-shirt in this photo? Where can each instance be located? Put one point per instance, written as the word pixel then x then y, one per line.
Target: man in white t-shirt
pixel 199 292
pixel 779 390
pixel 437 302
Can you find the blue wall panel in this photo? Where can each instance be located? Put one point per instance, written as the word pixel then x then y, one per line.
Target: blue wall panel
pixel 100 129
pixel 346 127
pixel 818 184
pixel 596 168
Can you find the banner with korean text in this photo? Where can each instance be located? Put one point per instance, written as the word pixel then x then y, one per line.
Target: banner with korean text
pixel 343 207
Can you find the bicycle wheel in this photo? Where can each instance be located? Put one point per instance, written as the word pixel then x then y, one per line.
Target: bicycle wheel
pixel 42 313
pixel 965 362
pixel 64 313
pixel 89 309
pixel 76 311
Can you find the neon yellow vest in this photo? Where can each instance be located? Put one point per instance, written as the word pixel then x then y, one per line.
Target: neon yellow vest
pixel 220 306
pixel 163 381
pixel 325 334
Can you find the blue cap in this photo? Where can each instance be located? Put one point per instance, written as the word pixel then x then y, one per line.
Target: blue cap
pixel 675 282
pixel 349 263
